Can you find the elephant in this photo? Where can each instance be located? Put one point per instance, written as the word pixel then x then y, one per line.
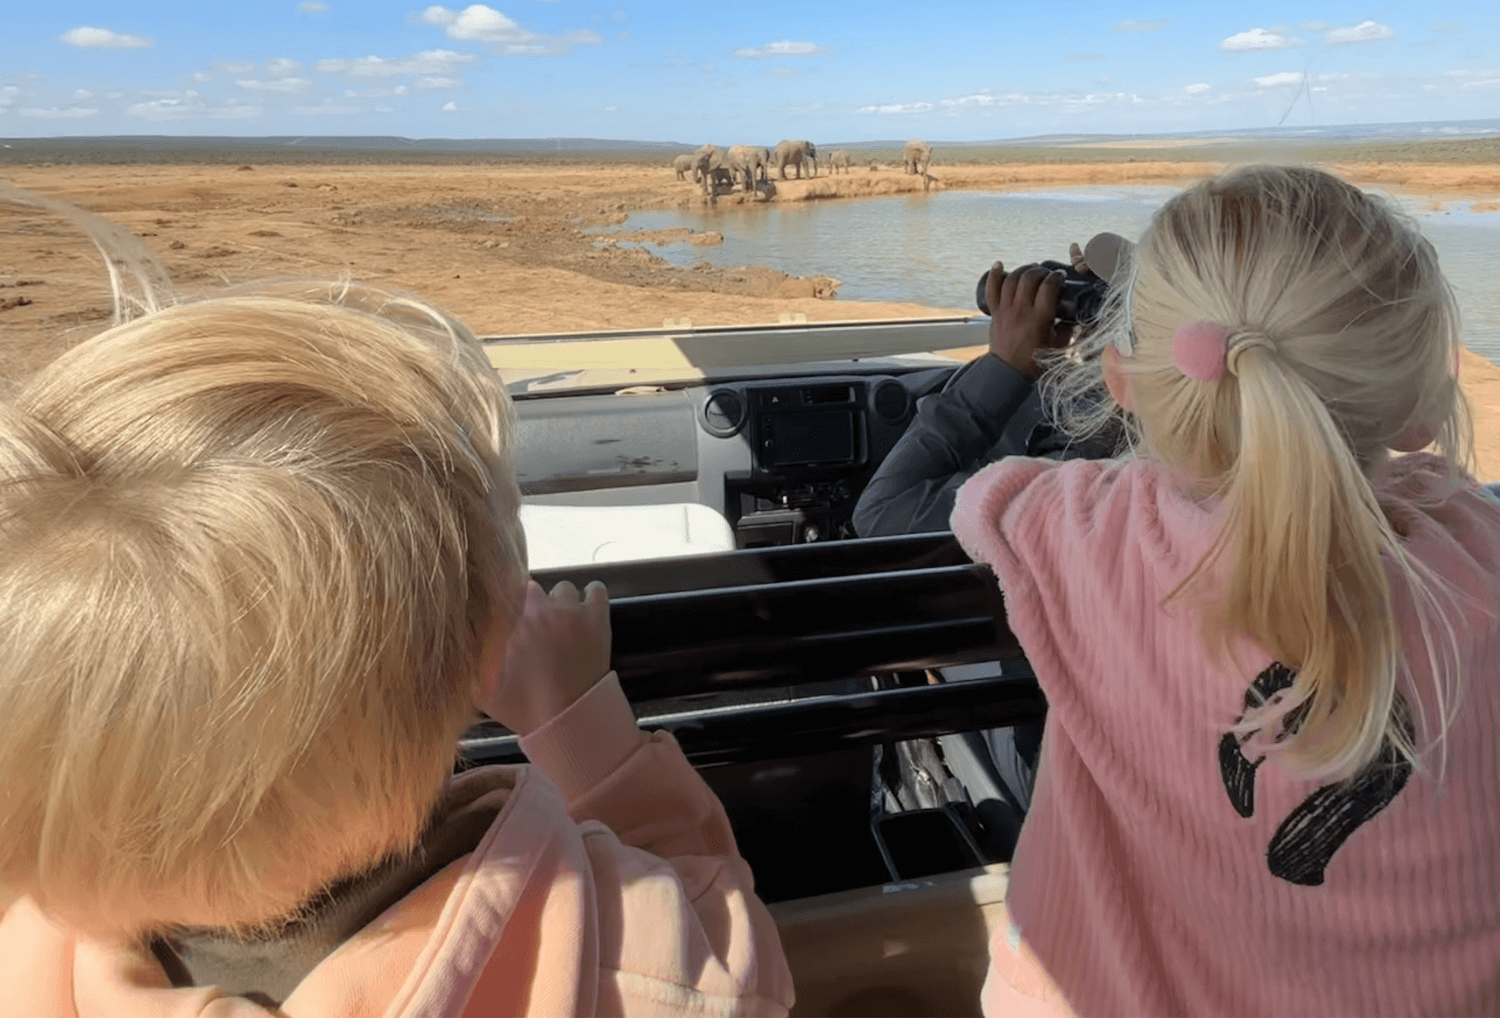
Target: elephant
pixel 750 164
pixel 916 157
pixel 705 161
pixel 683 165
pixel 838 159
pixel 796 153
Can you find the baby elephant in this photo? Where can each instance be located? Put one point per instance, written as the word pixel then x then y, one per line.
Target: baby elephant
pixel 839 160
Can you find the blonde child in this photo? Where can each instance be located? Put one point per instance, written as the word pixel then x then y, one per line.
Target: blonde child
pixel 260 562
pixel 1270 649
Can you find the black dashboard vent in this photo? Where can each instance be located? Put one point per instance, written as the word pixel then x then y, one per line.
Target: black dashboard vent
pixel 891 401
pixel 724 413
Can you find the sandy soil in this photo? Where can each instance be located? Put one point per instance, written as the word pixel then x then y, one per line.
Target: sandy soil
pixel 506 248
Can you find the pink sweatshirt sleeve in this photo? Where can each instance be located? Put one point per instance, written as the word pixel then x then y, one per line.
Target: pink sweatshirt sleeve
pixel 986 510
pixel 680 925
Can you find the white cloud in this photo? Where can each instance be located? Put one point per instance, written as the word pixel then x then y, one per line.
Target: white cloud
pixel 433 61
pixel 1069 102
pixel 1284 78
pixel 1481 83
pixel 282 67
pixel 312 7
pixel 8 96
pixel 233 66
pixel 1100 98
pixel 328 108
pixel 1154 25
pixel 784 48
pixel 89 37
pixel 1197 89
pixel 429 84
pixel 983 98
pixel 65 113
pixel 376 93
pixel 1365 31
pixel 200 77
pixel 114 95
pixel 476 23
pixel 188 106
pixel 283 86
pixel 482 23
pixel 82 95
pixel 896 108
pixel 1258 38
pixel 450 107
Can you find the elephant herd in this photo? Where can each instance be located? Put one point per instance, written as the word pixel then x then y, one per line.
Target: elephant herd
pixel 749 166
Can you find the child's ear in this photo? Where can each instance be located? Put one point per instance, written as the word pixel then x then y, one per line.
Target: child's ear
pixel 1114 377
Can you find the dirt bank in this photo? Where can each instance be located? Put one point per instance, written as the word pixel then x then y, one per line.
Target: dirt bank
pixel 511 248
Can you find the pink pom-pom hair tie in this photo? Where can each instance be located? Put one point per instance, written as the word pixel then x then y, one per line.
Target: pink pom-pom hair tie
pixel 1202 350
pixel 1199 348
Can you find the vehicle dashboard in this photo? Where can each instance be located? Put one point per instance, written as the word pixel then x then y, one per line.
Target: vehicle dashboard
pixel 784 459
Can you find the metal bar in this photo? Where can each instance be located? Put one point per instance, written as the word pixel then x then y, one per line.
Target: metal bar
pixel 817 724
pixel 758 663
pixel 808 630
pixel 766 565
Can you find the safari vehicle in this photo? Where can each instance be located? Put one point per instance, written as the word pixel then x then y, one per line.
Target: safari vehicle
pixel 709 476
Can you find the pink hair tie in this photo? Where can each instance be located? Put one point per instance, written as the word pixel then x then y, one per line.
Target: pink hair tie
pixel 1199 349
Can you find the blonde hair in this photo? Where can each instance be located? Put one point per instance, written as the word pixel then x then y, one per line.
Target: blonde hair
pixel 250 544
pixel 1345 343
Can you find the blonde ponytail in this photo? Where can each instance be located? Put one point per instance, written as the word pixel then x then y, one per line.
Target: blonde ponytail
pixel 1341 336
pixel 1304 541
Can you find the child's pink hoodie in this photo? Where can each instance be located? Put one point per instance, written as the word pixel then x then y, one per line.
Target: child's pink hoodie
pixel 1160 871
pixel 609 883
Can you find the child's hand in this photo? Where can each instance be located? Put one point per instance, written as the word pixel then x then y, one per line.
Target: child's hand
pixel 1022 303
pixel 558 650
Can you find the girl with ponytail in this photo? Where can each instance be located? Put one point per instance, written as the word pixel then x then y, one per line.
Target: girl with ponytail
pixel 1271 648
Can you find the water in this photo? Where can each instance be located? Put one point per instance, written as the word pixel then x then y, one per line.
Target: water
pixel 931 249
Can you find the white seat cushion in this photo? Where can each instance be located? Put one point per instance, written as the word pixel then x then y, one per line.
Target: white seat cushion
pixel 558 536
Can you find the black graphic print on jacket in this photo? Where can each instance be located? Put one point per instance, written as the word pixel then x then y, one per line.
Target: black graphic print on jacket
pixel 1307 839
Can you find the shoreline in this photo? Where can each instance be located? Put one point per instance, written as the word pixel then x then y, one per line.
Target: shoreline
pixel 504 245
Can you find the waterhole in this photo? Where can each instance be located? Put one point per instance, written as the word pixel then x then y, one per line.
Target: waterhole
pixel 931 249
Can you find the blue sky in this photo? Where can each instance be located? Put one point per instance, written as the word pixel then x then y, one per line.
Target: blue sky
pixel 728 70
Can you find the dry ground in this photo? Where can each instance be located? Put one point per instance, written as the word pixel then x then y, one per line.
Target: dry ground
pixel 504 246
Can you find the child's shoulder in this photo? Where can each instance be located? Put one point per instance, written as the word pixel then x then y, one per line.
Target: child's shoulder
pixel 1439 511
pixel 1025 508
pixel 1019 484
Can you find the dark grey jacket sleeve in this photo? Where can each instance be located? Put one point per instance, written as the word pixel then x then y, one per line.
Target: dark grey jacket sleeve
pixel 987 410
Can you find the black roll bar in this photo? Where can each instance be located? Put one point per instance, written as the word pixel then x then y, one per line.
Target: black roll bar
pixel 796 616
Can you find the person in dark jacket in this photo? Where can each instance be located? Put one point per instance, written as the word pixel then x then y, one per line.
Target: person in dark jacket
pixel 990 408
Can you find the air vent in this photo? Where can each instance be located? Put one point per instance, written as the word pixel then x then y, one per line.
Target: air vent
pixel 724 413
pixel 891 401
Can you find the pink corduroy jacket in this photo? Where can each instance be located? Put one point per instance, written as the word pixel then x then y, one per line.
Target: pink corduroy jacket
pixel 609 883
pixel 1167 866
